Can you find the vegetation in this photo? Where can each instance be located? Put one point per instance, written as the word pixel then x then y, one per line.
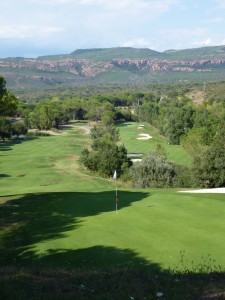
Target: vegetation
pixel 118 66
pixel 60 221
pixel 46 115
pixel 8 107
pixel 173 114
pixel 60 230
pixel 8 102
pixel 107 156
pixel 153 171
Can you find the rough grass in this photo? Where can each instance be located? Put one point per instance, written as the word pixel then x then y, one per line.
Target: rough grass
pixel 59 229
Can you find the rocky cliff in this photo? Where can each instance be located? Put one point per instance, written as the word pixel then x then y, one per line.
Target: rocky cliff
pixel 72 69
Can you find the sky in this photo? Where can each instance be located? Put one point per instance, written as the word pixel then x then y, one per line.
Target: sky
pixel 31 28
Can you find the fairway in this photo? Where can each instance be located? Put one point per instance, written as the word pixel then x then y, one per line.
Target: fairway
pixel 130 131
pixel 55 214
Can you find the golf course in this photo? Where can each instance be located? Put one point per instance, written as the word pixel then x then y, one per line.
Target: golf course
pixel 57 215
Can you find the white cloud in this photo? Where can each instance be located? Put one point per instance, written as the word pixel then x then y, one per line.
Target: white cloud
pixel 179 38
pixel 216 20
pixel 23 31
pixel 134 5
pixel 207 42
pixel 118 4
pixel 186 33
pixel 221 3
pixel 55 2
pixel 70 24
pixel 202 43
pixel 138 43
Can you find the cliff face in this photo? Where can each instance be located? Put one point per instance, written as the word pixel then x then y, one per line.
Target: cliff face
pixel 88 68
pixel 24 72
pixel 155 65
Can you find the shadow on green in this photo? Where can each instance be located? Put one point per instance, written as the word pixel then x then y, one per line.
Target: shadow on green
pixel 4 175
pixel 35 218
pixel 97 272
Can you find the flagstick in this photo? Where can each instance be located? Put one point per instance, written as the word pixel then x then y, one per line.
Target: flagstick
pixel 115 177
pixel 116 201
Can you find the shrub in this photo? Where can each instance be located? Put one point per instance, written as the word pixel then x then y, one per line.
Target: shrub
pixel 152 171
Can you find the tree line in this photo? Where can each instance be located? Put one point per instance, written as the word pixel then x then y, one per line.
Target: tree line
pixel 8 108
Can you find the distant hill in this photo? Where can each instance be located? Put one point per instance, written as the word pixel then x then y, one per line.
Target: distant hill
pixel 196 53
pixel 123 65
pixel 115 53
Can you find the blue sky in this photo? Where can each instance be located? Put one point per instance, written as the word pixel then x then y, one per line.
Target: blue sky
pixel 30 28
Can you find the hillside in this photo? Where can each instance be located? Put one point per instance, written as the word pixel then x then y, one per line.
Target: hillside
pixel 197 53
pixel 115 66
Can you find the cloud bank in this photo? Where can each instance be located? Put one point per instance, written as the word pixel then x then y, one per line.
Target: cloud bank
pixel 61 26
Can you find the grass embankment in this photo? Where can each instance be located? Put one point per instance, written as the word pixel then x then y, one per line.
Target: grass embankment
pixel 61 237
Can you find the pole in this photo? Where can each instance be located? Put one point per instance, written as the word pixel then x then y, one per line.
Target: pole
pixel 116 201
pixel 115 178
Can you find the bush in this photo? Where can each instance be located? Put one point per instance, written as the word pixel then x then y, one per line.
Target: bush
pixel 184 177
pixel 106 160
pixel 19 128
pixel 153 171
pixel 5 128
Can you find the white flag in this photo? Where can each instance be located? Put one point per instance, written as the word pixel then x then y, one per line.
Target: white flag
pixel 114 175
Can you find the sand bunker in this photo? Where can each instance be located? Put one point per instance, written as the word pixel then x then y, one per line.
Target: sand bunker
pixel 140 126
pixel 134 160
pixel 134 155
pixel 210 191
pixel 144 136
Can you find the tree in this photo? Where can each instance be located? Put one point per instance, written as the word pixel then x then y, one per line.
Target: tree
pixel 8 104
pixel 94 110
pixel 100 130
pixel 195 142
pixel 106 156
pixel 46 115
pixel 74 107
pixel 45 118
pixel 149 112
pixel 19 128
pixel 108 118
pixel 2 86
pixel 5 128
pixel 177 122
pixel 152 171
pixel 107 159
pixel 209 169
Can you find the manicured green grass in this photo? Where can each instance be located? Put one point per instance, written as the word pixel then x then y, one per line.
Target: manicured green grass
pixel 55 214
pixel 129 133
pixel 59 230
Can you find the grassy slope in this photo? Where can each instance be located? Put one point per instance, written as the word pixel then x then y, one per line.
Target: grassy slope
pixel 53 215
pixel 105 54
pixel 196 53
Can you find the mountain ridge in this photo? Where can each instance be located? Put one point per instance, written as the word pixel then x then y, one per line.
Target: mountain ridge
pixel 206 52
pixel 119 65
